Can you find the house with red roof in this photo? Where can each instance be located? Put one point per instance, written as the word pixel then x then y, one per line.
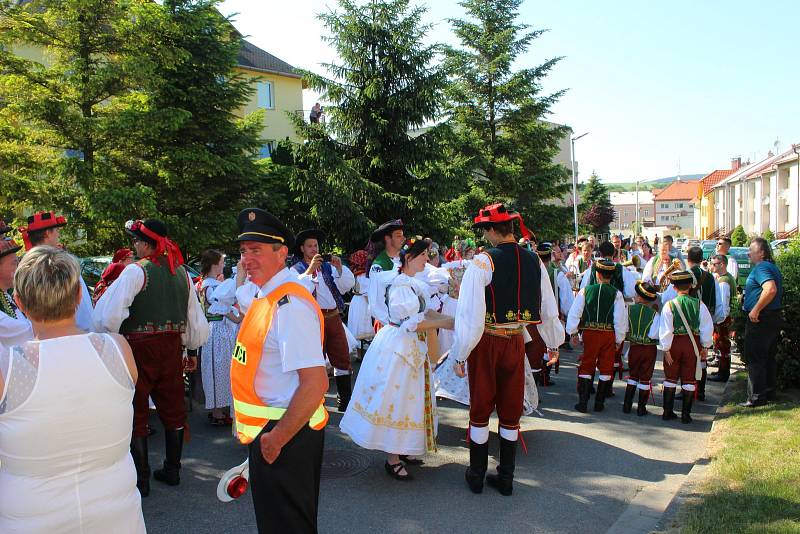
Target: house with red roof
pixel 674 206
pixel 704 206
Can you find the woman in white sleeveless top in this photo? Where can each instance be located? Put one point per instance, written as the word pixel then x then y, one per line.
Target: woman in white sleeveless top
pixel 65 414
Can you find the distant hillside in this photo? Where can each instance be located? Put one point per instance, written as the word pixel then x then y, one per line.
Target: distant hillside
pixel 649 185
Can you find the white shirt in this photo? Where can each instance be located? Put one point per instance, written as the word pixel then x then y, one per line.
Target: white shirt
pixel 470 319
pixel 620 315
pixel 14 331
pixel 83 315
pixel 723 302
pixel 666 331
pixel 114 307
pixel 652 273
pixel 733 267
pixel 375 268
pixel 245 294
pixel 628 282
pixel 565 295
pixel 293 342
pixel 344 282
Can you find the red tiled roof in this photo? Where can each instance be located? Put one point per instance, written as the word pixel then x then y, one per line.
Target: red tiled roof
pixel 710 180
pixel 679 190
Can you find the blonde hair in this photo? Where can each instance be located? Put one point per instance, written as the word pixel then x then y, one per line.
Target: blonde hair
pixel 47 282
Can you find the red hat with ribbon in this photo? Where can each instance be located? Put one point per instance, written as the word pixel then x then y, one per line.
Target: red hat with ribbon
pixel 154 232
pixel 497 213
pixel 121 254
pixel 41 220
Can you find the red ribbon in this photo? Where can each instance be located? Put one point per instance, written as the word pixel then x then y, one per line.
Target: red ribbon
pixel 163 244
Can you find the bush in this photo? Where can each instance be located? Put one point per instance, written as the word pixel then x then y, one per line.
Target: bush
pixel 739 237
pixel 769 236
pixel 788 357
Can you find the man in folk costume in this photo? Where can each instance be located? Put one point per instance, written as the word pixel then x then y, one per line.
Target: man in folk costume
pixel 620 254
pixel 643 325
pixel 388 238
pixel 660 267
pixel 278 381
pixel 331 281
pixel 154 305
pixel 726 294
pixel 536 349
pixel 44 228
pixel 685 333
pixel 705 288
pixel 504 289
pixel 599 312
pixel 15 328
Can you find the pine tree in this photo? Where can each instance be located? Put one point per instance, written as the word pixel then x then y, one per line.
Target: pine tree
pixel 499 115
pixel 739 237
pixel 595 205
pixel 362 167
pixel 768 235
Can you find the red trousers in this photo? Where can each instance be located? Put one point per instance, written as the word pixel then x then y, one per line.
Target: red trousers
pixel 496 369
pixel 722 337
pixel 535 349
pixel 599 352
pixel 159 362
pixel 335 343
pixel 683 361
pixel 641 362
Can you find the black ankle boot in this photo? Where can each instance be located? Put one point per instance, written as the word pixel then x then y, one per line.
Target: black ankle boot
pixel 686 410
pixel 139 454
pixel 170 473
pixel 641 407
pixel 603 387
pixel 701 386
pixel 669 402
pixel 504 478
pixel 583 394
pixel 723 372
pixel 478 461
pixel 344 390
pixel 627 404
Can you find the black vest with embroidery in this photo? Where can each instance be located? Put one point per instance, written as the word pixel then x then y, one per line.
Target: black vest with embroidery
pixel 514 296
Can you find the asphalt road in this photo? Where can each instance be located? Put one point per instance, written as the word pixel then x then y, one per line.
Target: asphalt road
pixel 579 474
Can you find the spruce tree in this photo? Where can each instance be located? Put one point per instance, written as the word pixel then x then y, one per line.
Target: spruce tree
pixel 499 115
pixel 595 205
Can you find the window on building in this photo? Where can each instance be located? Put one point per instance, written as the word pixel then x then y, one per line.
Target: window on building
pixel 664 205
pixel 679 204
pixel 265 95
pixel 627 213
pixel 646 213
pixel 266 149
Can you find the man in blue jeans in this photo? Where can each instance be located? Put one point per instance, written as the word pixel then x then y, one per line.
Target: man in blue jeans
pixel 763 294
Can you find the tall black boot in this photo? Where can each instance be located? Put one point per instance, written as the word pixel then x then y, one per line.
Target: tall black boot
pixel 478 461
pixel 538 377
pixel 170 473
pixel 504 478
pixel 139 454
pixel 344 390
pixel 724 371
pixel 583 394
pixel 627 404
pixel 546 370
pixel 686 410
pixel 701 386
pixel 641 407
pixel 603 387
pixel 669 402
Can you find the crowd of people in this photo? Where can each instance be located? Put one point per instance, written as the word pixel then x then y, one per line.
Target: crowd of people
pixel 480 325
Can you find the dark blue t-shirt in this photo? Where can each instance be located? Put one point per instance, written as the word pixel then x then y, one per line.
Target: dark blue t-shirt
pixel 763 272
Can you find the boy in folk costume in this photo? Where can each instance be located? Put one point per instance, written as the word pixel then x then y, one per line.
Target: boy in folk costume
pixel 504 289
pixel 599 312
pixel 643 328
pixel 726 294
pixel 685 333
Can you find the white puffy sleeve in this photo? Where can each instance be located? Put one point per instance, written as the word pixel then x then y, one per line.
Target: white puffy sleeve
pixel 654 328
pixel 471 310
pixel 647 273
pixel 629 283
pixel 620 318
pixel 111 309
pixel 83 315
pixel 197 328
pixel 14 331
pixel 551 329
pixel 404 307
pixel 706 326
pixel 585 278
pixel 378 282
pixel 565 294
pixel 345 281
pixel 665 329
pixel 576 312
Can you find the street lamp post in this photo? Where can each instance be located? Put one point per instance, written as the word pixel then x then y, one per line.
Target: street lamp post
pixel 575 184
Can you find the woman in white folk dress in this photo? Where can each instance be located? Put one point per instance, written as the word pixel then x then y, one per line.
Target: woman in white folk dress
pixel 359 320
pixel 65 414
pixel 393 408
pixel 218 297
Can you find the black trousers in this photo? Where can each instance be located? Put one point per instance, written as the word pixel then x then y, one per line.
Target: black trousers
pixel 286 492
pixel 760 345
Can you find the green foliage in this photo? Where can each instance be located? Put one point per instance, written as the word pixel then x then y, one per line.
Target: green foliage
pixel 595 206
pixel 498 115
pixel 788 356
pixel 769 236
pixel 739 237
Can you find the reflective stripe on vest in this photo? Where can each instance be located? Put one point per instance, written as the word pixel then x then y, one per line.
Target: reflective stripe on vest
pixel 249 410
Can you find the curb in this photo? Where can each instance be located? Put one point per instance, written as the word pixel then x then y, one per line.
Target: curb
pixel 654 507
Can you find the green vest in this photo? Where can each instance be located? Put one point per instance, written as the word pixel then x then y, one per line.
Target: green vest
pixel 617 279
pixel 691 310
pixel 706 288
pixel 162 304
pixel 640 319
pixel 384 261
pixel 727 278
pixel 598 309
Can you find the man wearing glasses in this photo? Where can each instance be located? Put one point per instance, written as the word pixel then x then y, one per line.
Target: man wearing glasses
pixel 723 247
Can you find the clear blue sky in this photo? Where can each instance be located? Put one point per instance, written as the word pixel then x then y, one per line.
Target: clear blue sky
pixel 657 84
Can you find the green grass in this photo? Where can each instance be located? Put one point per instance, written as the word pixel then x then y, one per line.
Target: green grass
pixel 754 482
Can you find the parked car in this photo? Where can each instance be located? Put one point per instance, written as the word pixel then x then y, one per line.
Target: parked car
pixel 709 247
pixel 689 243
pixel 779 245
pixel 740 254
